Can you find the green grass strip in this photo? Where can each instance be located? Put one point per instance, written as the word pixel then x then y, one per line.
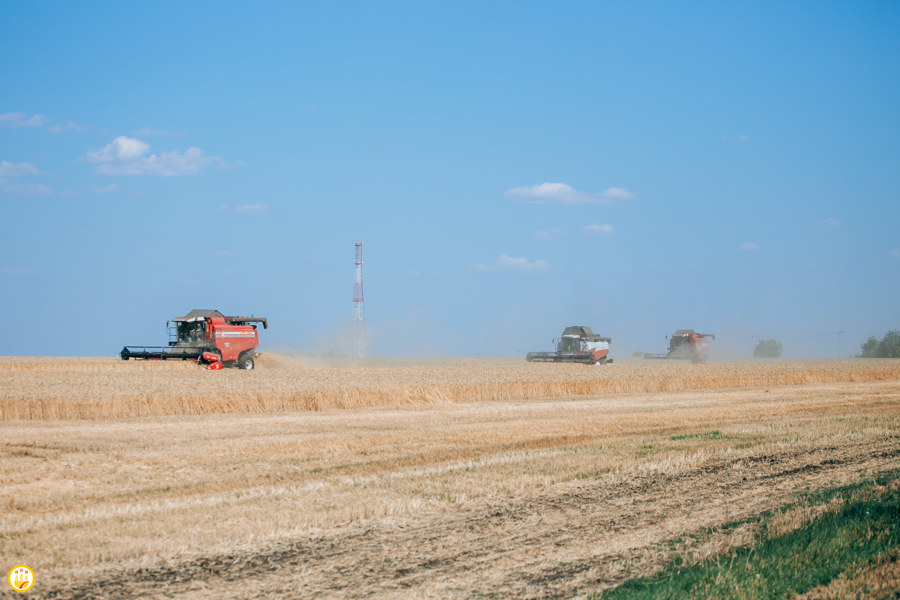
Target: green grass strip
pixel 831 544
pixel 709 435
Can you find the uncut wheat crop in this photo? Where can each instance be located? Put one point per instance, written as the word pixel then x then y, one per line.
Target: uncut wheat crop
pixel 103 388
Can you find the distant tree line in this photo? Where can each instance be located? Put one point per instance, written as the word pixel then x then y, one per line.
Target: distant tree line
pixel 767 349
pixel 886 347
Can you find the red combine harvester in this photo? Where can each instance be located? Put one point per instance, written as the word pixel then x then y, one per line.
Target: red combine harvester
pixel 209 337
pixel 686 343
pixel 578 344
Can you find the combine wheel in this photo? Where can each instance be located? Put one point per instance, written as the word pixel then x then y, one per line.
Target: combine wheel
pixel 246 362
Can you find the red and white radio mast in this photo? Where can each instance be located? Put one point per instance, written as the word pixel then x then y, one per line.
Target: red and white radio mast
pixel 359 313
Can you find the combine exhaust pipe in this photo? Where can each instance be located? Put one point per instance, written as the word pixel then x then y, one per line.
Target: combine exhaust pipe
pixel 245 320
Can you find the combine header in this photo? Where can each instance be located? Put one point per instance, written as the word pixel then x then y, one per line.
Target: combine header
pixel 686 343
pixel 578 344
pixel 209 337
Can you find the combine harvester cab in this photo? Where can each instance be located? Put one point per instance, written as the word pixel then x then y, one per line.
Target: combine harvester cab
pixel 578 344
pixel 209 337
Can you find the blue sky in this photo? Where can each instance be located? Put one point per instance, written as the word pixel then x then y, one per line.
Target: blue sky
pixel 511 168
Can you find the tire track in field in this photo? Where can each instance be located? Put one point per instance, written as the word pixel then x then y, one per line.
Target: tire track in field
pixel 563 541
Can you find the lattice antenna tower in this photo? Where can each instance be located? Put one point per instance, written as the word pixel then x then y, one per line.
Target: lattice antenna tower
pixel 359 311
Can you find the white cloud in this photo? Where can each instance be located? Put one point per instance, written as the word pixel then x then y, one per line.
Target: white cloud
pixel 599 229
pixel 109 189
pixel 895 253
pixel 831 223
pixel 252 209
pixel 150 132
pixel 749 247
pixel 617 194
pixel 508 263
pixel 129 156
pixel 563 193
pixel 18 120
pixel 122 148
pixel 743 138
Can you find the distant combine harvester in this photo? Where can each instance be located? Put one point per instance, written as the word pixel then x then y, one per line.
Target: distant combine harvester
pixel 578 344
pixel 687 344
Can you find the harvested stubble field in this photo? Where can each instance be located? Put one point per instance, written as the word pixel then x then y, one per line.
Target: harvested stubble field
pixel 455 479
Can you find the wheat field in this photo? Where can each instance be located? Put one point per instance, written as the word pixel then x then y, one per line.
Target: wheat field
pixel 107 388
pixel 463 478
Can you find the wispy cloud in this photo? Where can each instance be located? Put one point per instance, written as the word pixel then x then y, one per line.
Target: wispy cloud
pixel 548 234
pixel 831 223
pixel 895 253
pixel 252 209
pixel 108 189
pixel 130 156
pixel 599 229
pixel 562 193
pixel 16 170
pixel 70 127
pixel 244 209
pixel 13 272
pixel 26 189
pixel 220 254
pixel 749 247
pixel 18 120
pixel 508 263
pixel 13 171
pixel 151 132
